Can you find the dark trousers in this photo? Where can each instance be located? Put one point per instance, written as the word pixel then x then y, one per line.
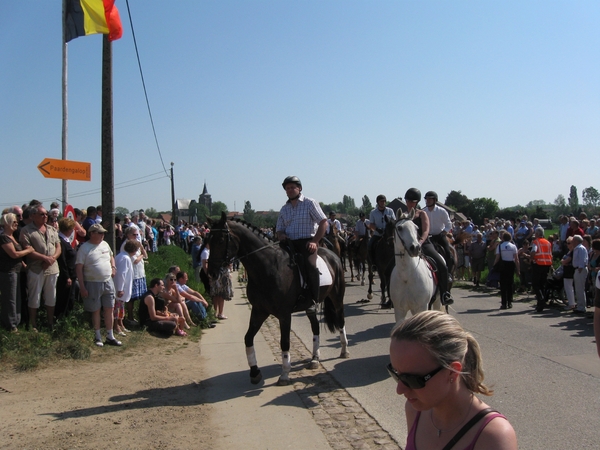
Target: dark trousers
pixel 539 275
pixel 442 271
pixel 442 241
pixel 506 282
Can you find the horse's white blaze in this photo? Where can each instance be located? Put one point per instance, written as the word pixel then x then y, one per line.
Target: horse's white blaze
pixel 316 353
pixel 251 356
pixel 411 283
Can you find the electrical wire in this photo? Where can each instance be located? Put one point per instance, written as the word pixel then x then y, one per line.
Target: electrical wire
pixel 145 91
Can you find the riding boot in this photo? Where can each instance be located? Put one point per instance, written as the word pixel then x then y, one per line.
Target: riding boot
pixel 447 298
pixel 314 282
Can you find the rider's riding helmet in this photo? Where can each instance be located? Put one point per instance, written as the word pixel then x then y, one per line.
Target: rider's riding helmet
pixel 292 179
pixel 361 214
pixel 332 213
pixel 432 194
pixel 413 194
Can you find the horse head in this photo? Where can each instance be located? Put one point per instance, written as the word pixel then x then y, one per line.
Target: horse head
pixel 406 239
pixel 223 246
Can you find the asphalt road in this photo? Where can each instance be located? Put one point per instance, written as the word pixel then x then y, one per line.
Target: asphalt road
pixel 543 367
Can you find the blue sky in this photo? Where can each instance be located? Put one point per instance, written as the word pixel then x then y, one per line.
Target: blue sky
pixel 495 99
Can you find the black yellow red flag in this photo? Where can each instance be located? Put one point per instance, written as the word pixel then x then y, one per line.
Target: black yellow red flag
pixel 85 17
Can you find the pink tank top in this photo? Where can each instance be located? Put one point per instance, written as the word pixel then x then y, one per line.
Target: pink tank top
pixel 410 440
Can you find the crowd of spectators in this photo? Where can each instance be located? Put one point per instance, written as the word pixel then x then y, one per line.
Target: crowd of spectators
pixel 55 261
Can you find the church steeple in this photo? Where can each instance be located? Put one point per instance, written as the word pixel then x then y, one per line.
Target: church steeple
pixel 205 198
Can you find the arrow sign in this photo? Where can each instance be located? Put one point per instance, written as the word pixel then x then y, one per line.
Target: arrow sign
pixel 66 170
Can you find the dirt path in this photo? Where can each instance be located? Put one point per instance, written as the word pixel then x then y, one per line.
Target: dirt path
pixel 104 402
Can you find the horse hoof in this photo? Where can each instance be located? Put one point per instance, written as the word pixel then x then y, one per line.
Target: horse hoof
pixel 370 296
pixel 386 305
pixel 362 283
pixel 255 379
pixel 345 355
pixel 314 364
pixel 282 382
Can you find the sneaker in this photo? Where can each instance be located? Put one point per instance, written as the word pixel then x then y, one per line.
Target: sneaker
pixel 121 333
pixel 113 342
pixel 98 342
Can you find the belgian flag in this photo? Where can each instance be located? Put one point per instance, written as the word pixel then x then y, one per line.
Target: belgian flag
pixel 84 17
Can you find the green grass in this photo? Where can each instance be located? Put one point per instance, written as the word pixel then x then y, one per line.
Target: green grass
pixel 73 338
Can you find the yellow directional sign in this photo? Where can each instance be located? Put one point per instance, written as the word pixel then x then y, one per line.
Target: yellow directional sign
pixel 66 170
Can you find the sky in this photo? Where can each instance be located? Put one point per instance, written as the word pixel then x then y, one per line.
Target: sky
pixel 493 99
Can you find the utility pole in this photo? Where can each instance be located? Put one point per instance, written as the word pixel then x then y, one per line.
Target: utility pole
pixel 173 205
pixel 108 176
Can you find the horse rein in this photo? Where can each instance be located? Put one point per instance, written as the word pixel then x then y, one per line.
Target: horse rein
pixel 228 260
pixel 401 255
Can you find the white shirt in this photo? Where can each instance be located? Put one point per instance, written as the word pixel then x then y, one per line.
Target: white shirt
pixel 439 220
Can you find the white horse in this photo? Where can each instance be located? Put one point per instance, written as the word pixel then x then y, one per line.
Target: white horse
pixel 412 286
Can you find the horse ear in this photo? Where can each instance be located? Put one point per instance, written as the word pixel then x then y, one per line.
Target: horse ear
pixel 399 213
pixel 411 216
pixel 209 221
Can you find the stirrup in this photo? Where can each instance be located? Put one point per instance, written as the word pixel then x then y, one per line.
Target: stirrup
pixel 447 299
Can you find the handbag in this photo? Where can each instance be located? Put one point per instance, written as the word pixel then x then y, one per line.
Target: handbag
pixel 500 264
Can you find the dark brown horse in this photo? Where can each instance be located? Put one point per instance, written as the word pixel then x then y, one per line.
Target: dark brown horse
pixel 274 287
pixel 358 258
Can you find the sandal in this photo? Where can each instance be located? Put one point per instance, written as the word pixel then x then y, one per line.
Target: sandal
pixel 181 333
pixel 221 317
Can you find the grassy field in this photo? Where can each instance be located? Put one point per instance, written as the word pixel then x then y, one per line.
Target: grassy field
pixel 73 337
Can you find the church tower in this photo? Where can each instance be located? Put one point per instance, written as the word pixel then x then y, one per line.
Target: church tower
pixel 205 199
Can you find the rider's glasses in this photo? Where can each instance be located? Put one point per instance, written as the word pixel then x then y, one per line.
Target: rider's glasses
pixel 409 380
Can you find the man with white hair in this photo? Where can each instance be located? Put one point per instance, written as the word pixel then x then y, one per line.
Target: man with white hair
pixel 580 264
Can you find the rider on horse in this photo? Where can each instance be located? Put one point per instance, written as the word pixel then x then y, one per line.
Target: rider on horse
pixel 439 226
pixel 421 219
pixel 303 223
pixel 360 229
pixel 377 223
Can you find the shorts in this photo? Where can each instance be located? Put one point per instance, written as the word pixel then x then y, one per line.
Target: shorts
pixel 38 283
pixel 478 264
pixel 138 289
pixel 119 311
pixel 100 294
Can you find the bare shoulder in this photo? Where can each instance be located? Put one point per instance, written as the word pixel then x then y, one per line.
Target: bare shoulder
pixel 498 434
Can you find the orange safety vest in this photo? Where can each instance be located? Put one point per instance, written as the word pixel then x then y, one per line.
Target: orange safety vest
pixel 543 255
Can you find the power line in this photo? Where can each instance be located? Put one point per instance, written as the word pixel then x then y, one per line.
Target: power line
pixel 144 86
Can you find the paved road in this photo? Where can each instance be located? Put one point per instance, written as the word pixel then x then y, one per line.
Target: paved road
pixel 544 367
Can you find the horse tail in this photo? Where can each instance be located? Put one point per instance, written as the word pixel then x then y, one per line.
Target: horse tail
pixel 334 318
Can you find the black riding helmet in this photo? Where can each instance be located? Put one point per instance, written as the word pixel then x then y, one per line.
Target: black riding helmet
pixel 292 179
pixel 413 194
pixel 432 194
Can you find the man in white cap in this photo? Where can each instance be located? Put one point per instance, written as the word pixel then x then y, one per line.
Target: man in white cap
pixel 95 267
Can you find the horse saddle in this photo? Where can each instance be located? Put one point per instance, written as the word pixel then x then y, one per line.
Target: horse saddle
pixel 432 266
pixel 325 278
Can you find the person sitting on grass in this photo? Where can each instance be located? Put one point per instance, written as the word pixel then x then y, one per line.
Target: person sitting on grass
pixel 153 312
pixel 175 302
pixel 193 299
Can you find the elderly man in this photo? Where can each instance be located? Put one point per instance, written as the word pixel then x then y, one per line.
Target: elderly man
pixel 95 267
pixel 580 264
pixel 541 257
pixel 43 268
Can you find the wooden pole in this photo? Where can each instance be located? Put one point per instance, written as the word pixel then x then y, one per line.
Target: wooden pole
pixel 108 179
pixel 65 108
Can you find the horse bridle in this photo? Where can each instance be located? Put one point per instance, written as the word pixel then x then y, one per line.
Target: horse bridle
pixel 228 259
pixel 401 255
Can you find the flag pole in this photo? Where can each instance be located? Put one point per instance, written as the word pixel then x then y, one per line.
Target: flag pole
pixel 65 107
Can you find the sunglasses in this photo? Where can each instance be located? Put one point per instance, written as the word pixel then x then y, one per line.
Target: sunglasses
pixel 409 380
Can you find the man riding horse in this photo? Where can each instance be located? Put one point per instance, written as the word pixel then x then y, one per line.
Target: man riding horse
pixel 377 223
pixel 303 224
pixel 421 219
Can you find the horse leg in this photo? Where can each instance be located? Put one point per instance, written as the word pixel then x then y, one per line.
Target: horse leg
pixel 256 320
pixel 370 291
pixel 285 326
pixel 314 326
pixel 344 342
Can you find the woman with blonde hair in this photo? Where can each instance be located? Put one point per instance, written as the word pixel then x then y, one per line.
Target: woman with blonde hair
pixel 437 366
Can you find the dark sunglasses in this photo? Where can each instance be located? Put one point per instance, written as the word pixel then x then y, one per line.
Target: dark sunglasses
pixel 409 380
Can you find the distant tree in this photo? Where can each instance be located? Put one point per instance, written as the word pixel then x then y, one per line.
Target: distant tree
pixel 249 213
pixel 534 203
pixel 349 205
pixel 480 208
pixel 573 199
pixel 458 201
pixel 202 213
pixel 560 205
pixel 366 205
pixel 217 208
pixel 120 212
pixel 591 197
pixel 151 212
pixel 265 221
pixel 539 213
